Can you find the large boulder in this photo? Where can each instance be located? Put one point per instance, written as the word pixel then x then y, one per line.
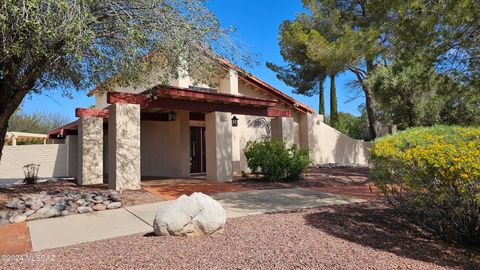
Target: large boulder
pixel 194 215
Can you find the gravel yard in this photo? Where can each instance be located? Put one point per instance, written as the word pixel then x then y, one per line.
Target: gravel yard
pixel 358 236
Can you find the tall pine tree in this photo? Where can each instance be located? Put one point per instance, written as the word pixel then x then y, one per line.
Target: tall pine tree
pixel 333 102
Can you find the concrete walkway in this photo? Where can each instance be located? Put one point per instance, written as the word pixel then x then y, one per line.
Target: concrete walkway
pixel 75 229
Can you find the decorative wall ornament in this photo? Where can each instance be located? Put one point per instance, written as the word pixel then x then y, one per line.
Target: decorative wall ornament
pixel 261 122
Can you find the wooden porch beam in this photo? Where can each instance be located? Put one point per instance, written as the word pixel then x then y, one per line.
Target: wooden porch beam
pixel 91 112
pixel 127 98
pixel 202 106
pixel 214 97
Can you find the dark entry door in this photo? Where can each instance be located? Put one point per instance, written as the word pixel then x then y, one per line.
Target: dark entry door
pixel 197 150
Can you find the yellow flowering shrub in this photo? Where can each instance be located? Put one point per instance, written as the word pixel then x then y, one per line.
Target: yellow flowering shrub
pixel 432 175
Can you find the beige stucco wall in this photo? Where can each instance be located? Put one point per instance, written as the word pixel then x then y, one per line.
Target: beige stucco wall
pixel 51 157
pixel 243 133
pixel 283 129
pixel 71 141
pixel 296 128
pixel 240 136
pixel 165 147
pixel 331 146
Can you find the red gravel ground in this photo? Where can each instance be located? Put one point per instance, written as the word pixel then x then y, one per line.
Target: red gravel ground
pixel 358 236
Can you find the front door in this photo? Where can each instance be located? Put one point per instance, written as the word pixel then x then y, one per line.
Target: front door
pixel 197 150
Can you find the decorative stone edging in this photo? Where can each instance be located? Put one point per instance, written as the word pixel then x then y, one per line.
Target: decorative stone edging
pixel 54 203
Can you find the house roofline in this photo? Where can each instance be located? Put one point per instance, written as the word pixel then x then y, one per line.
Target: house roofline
pixel 255 81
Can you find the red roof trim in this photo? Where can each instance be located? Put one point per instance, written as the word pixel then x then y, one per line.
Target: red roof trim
pixel 213 96
pixel 91 112
pixel 176 92
pixel 91 92
pixel 228 103
pixel 61 130
pixel 206 107
pixel 270 89
pixel 127 98
pixel 250 78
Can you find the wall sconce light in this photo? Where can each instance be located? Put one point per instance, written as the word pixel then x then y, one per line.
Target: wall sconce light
pixel 234 121
pixel 172 116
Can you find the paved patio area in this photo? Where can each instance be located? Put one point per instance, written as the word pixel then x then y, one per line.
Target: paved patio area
pixel 170 189
pixel 276 200
pixel 71 230
pixel 14 239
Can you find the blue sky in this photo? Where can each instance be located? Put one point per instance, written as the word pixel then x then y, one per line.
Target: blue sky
pixel 257 27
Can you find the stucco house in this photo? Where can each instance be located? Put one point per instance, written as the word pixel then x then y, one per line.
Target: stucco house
pixel 185 129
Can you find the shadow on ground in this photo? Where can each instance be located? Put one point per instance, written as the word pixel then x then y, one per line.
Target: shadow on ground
pixel 377 226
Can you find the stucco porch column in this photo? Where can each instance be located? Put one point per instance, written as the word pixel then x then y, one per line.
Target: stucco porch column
pixel 282 129
pixel 90 151
pixel 306 131
pixel 183 155
pixel 229 85
pixel 124 146
pixel 218 133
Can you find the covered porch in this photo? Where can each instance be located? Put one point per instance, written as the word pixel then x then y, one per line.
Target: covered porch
pixel 164 132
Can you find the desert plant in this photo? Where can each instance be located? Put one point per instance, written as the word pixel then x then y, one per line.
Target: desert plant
pixel 273 160
pixel 31 173
pixel 432 176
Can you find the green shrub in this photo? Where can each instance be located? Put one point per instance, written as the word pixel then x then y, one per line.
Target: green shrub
pixel 432 175
pixel 275 161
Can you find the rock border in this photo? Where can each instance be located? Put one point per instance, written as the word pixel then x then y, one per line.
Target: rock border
pixel 47 204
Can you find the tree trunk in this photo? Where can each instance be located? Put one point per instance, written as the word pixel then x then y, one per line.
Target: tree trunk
pixel 333 102
pixel 321 98
pixel 3 132
pixel 370 106
pixel 9 102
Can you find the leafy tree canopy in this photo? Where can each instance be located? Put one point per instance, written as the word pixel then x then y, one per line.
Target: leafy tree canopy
pixel 50 44
pixel 401 53
pixel 305 76
pixel 354 126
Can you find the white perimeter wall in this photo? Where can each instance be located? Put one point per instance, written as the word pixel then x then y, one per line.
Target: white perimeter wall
pixel 51 157
pixel 332 146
